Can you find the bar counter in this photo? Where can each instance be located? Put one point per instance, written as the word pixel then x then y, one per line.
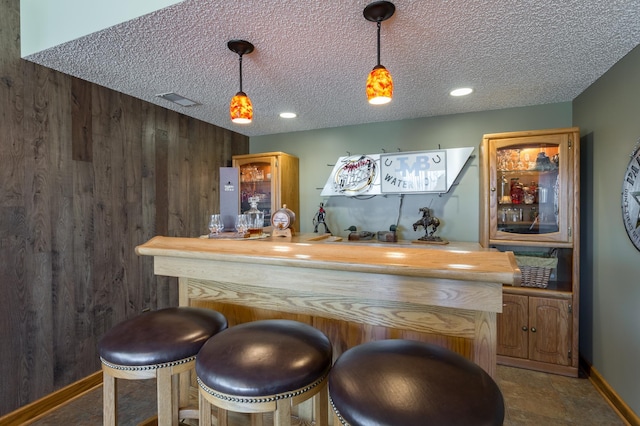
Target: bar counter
pixel 452 290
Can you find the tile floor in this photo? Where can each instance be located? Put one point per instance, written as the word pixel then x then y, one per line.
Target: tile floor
pixel 531 398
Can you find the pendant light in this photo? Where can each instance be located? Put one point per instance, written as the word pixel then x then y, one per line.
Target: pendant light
pixel 379 82
pixel 240 109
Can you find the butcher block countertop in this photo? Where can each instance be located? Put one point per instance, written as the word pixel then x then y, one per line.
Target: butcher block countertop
pixel 457 261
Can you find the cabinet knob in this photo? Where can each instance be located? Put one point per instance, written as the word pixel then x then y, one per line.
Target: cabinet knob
pixel 524 328
pixel 493 189
pixel 533 329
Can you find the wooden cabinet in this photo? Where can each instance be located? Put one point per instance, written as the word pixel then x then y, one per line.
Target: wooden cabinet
pixel 535 328
pixel 272 178
pixel 529 195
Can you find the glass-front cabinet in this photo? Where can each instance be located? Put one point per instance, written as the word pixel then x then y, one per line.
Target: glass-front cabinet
pixel 530 179
pixel 268 180
pixel 529 204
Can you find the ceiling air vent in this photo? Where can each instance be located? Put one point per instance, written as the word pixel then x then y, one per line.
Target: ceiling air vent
pixel 177 99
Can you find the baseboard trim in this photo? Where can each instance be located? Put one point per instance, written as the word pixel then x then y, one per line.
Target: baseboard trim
pixel 31 412
pixel 609 394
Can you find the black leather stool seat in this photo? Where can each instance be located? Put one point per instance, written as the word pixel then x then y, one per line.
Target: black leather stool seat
pixel 153 339
pixel 159 345
pixel 404 382
pixel 264 358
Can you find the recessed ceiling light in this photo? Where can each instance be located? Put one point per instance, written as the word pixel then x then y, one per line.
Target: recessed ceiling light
pixel 463 91
pixel 288 115
pixel 178 99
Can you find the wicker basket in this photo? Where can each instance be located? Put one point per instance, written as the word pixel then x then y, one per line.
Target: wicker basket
pixel 536 270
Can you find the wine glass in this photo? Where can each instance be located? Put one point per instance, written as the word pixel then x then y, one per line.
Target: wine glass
pixel 215 225
pixel 242 224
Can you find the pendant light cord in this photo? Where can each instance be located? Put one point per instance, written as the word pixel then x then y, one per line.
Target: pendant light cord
pixel 240 61
pixel 378 42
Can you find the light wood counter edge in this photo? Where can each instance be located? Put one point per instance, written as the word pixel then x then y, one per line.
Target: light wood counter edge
pixel 471 263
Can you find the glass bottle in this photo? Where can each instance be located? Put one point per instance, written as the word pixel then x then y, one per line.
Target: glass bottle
pixel 516 191
pixel 255 217
pixel 505 192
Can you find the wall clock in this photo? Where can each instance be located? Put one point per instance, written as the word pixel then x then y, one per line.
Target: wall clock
pixel 631 197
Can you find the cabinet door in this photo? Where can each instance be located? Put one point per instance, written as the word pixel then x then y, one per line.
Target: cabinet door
pixel 550 330
pixel 530 184
pixel 258 178
pixel 513 334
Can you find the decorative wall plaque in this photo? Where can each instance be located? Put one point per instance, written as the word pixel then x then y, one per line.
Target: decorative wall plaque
pixel 415 172
pixel 407 172
pixel 631 198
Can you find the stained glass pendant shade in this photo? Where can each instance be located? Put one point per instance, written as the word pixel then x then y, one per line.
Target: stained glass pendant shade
pixel 379 81
pixel 240 109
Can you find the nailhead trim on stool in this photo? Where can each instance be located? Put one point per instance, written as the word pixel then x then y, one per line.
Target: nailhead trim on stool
pixel 260 400
pixel 410 383
pixel 159 344
pixel 146 367
pixel 264 366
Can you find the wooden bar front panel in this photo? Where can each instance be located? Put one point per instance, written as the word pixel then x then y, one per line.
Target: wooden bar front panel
pixel 448 296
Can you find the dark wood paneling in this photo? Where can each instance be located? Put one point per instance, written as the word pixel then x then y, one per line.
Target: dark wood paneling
pixel 81 121
pixel 86 174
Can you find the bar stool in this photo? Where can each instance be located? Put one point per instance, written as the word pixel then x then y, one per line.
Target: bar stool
pixel 404 382
pixel 264 366
pixel 159 344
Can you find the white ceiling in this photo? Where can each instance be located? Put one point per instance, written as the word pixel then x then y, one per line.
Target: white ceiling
pixel 312 57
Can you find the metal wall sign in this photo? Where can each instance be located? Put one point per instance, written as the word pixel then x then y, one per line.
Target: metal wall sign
pixel 417 172
pixel 631 197
pixel 355 175
pixel 409 172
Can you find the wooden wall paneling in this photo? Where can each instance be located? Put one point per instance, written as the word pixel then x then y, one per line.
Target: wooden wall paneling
pixel 132 226
pixel 11 104
pixel 162 182
pixel 62 218
pixel 218 154
pixel 221 155
pixel 81 120
pixel 222 144
pixel 36 350
pixel 115 280
pixel 175 224
pixel 178 182
pixel 85 249
pixel 147 201
pixel 86 174
pixel 107 307
pixel 239 144
pixel 83 259
pixel 13 255
pixel 208 178
pixel 166 288
pixel 13 225
pixel 194 167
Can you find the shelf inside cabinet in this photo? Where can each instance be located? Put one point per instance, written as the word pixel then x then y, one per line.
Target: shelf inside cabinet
pixel 261 181
pixel 560 276
pixel 528 227
pixel 555 290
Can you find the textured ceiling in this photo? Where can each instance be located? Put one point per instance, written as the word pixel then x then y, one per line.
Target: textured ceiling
pixel 312 57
